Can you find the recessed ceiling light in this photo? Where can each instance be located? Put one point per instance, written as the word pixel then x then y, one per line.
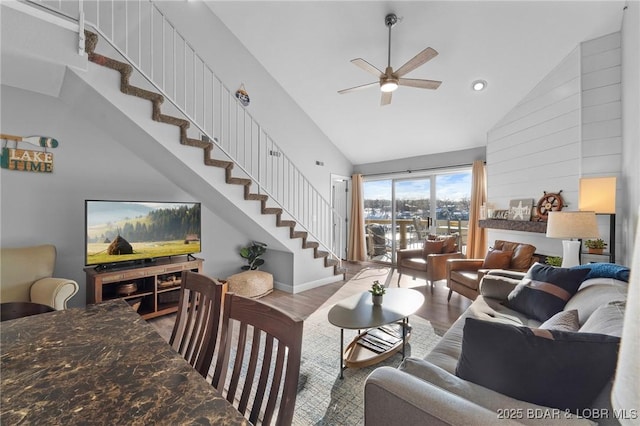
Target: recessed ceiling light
pixel 479 85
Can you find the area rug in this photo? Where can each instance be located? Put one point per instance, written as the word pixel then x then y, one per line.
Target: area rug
pixel 325 399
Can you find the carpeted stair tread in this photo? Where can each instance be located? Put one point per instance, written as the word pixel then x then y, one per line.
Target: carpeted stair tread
pixel 125 70
pixel 272 210
pixel 319 253
pixel 286 224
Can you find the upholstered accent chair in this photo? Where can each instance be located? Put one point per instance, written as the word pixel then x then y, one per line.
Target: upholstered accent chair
pixel 428 262
pixel 26 276
pixel 464 275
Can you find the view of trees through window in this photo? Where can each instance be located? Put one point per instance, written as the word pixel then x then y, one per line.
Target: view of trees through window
pixel 442 197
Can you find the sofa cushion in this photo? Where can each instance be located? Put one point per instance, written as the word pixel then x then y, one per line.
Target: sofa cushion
pixel 561 370
pixel 497 259
pixel 432 247
pixel 607 319
pixel 545 290
pixel 605 270
pixel 563 320
pixel 594 293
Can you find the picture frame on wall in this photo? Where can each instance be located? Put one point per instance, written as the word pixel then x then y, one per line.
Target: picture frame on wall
pixel 520 209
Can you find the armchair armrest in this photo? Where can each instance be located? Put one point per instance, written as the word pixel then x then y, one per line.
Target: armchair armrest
pixel 394 397
pixel 408 253
pixel 437 264
pixel 464 264
pixel 54 292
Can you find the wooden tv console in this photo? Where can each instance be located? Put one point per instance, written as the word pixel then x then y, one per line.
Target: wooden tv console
pixel 154 289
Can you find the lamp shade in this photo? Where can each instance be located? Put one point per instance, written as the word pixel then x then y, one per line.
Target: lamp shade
pixel 598 194
pixel 572 225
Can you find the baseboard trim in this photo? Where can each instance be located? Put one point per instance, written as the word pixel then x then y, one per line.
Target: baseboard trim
pixel 298 288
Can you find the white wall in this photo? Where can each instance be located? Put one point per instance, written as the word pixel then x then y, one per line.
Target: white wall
pixel 630 127
pixel 271 106
pixel 40 208
pixel 569 126
pixel 424 162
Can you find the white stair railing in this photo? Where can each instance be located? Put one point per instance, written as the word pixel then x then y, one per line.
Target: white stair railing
pixel 140 33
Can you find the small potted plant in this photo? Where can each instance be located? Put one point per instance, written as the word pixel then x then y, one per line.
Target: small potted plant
pixel 252 253
pixel 377 291
pixel 595 246
pixel 553 260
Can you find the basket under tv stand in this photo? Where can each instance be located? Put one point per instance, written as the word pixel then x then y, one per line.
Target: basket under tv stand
pixel 153 289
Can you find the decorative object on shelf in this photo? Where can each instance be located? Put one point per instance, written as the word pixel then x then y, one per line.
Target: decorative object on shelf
pixel 553 260
pixel 243 96
pixel 501 214
pixel 520 209
pixel 571 225
pixel 252 253
pixel 598 194
pixel 596 246
pixel 377 291
pixel 550 202
pixel 26 159
pixel 127 289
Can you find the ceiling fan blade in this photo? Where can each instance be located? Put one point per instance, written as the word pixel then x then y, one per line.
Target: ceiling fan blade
pixel 385 99
pixel 422 57
pixel 361 63
pixel 422 84
pixel 353 89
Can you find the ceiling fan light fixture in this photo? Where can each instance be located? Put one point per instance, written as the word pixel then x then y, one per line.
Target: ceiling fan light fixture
pixel 479 85
pixel 388 86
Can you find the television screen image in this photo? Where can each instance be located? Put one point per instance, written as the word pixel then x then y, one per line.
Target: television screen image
pixel 121 231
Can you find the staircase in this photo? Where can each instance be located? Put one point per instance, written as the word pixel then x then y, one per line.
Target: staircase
pixel 207 147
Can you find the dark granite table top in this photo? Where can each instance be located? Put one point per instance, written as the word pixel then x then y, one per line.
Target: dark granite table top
pixel 100 365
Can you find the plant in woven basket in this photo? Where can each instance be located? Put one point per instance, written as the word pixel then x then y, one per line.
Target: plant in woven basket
pixel 252 253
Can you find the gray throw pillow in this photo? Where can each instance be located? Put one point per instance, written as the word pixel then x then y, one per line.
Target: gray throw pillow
pixel 563 321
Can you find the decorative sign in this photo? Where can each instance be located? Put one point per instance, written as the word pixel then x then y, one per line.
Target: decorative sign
pixel 243 96
pixel 26 159
pixel 520 209
pixel 501 214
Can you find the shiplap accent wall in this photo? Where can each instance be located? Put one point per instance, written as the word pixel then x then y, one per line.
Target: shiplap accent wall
pixel 567 127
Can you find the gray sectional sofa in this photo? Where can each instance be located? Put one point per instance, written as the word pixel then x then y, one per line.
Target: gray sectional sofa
pixel 428 392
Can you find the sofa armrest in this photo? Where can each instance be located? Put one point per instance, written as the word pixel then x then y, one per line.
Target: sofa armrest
pixel 54 292
pixel 394 397
pixel 464 264
pixel 496 286
pixel 515 275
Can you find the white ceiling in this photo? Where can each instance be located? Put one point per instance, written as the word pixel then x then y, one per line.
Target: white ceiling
pixel 307 45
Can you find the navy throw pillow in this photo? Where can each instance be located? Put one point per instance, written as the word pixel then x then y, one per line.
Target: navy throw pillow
pixel 559 369
pixel 545 290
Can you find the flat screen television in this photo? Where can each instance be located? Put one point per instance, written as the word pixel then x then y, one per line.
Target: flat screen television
pixel 139 231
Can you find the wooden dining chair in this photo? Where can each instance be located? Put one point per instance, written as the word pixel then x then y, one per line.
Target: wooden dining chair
pixel 264 332
pixel 195 331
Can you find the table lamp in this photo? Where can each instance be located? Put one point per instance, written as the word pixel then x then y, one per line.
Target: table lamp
pixel 598 194
pixel 571 225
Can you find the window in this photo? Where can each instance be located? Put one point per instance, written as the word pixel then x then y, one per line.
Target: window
pixel 398 211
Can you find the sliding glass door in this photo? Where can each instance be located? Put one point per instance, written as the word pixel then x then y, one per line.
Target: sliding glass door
pixel 400 211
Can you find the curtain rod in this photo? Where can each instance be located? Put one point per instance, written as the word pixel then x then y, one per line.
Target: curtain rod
pixel 419 170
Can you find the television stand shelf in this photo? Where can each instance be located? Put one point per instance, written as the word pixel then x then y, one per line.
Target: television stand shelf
pixel 154 289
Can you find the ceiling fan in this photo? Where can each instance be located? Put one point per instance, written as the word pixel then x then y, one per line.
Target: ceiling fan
pixel 389 80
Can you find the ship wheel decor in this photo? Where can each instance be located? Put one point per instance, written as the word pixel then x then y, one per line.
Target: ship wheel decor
pixel 550 202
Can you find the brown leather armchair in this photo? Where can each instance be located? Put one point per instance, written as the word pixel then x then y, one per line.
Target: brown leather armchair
pixel 429 262
pixel 464 275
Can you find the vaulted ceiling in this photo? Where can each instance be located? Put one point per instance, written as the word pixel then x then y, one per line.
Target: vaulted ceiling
pixel 307 47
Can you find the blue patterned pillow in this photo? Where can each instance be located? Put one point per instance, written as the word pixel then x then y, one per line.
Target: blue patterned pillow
pixel 545 290
pixel 605 270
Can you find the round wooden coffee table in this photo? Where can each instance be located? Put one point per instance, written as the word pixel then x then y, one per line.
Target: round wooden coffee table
pixel 380 341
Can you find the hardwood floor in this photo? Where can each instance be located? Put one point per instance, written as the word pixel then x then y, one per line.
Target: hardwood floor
pixel 435 309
